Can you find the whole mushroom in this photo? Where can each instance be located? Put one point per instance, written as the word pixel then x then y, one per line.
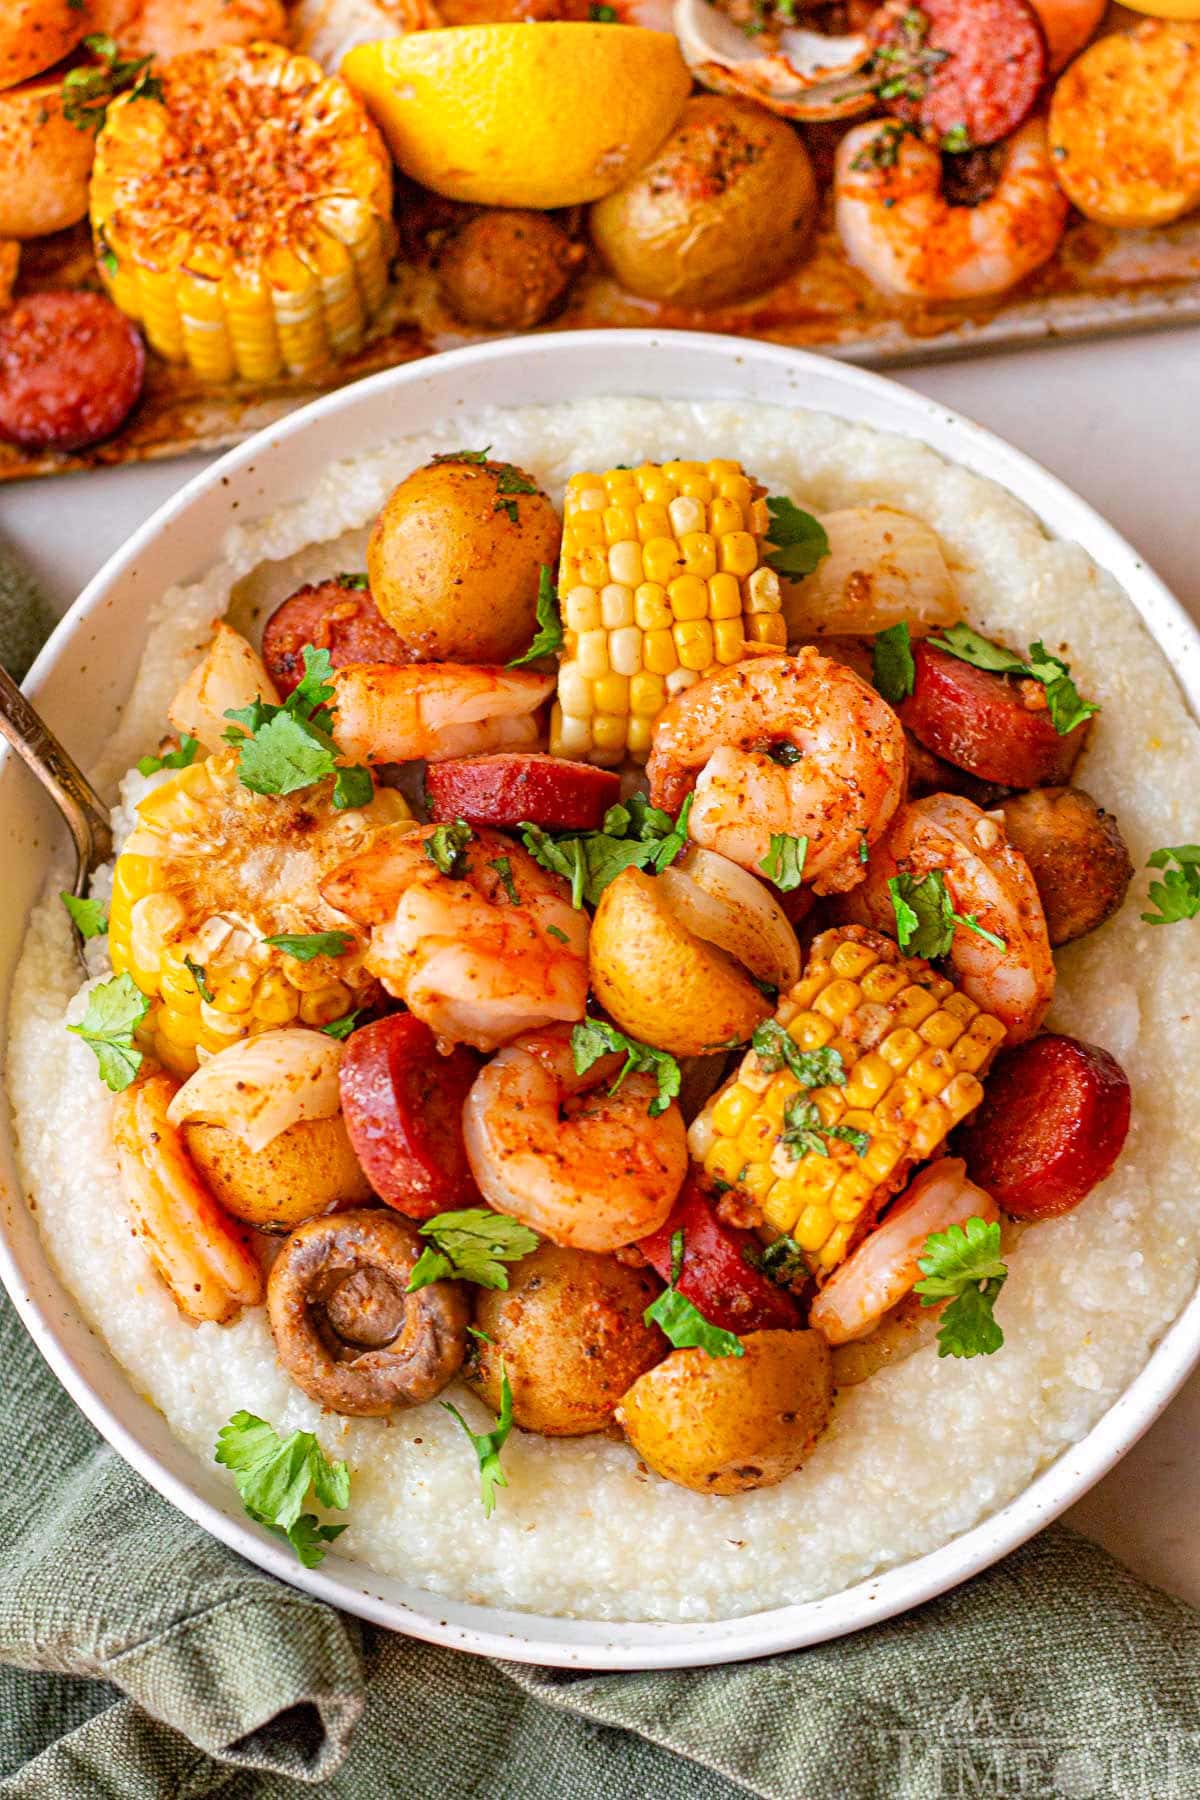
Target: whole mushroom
pixel 345 1328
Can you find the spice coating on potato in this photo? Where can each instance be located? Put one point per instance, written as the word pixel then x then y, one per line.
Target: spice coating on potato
pixel 725 1424
pixel 455 557
pixel 507 270
pixel 570 1332
pixel 307 1170
pixel 659 981
pixel 1076 855
pixel 724 209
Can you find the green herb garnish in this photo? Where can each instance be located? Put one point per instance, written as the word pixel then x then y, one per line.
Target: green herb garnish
pixel 488 1445
pixel 446 847
pixel 341 1028
pixel 1177 895
pixel 463 456
pixel 549 635
pixel 88 916
pixel 964 1267
pixel 503 868
pixel 784 862
pixel 86 92
pixel 197 972
pixel 632 835
pixel 182 758
pixel 273 1477
pixel 115 1009
pixel 892 662
pixel 284 748
pixel 472 1245
pixel 797 541
pixel 777 1049
pixel 956 141
pixel 510 481
pixel 1066 708
pixel 358 582
pixel 803 1133
pixel 307 946
pixel 595 1038
pixel 925 915
pixel 782 1261
pixel 681 1321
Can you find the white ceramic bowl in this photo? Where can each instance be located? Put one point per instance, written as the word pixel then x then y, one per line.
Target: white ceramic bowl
pixel 80 681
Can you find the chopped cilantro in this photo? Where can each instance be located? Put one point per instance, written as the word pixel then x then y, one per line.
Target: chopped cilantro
pixel 634 834
pixel 864 851
pixel 594 1038
pixel 353 786
pixel 681 1321
pixel 925 915
pixel 549 635
pixel 115 1009
pixel 472 1245
pixel 797 540
pixel 964 1266
pixel 503 868
pixel 1066 708
pixel 87 916
pixel 554 932
pixel 358 581
pixel 446 847
pixel 510 481
pixel 777 1049
pixel 602 14
pixel 488 1445
pixel 307 946
pixel 341 1028
pixel 782 1261
pixel 463 456
pixel 87 90
pixel 956 141
pixel 803 1133
pixel 198 975
pixel 284 748
pixel 1177 895
pixel 784 862
pixel 182 758
pixel 892 661
pixel 273 1477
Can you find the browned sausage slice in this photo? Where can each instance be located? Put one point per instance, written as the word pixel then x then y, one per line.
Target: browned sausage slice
pixel 333 616
pixel 1076 855
pixel 997 727
pixel 510 789
pixel 965 72
pixel 1051 1125
pixel 71 370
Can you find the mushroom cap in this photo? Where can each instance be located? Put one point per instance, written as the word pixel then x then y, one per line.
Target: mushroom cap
pixel 346 1330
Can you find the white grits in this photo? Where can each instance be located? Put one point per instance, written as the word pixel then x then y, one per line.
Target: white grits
pixel 922 1451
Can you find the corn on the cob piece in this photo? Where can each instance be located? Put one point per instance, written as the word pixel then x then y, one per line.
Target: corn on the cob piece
pixel 244 220
pixel 912 1047
pixel 661 581
pixel 208 872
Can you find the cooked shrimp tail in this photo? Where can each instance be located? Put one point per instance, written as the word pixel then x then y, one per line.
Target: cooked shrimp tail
pixel 430 711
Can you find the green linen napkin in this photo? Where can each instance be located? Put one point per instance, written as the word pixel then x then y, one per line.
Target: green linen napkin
pixel 139 1658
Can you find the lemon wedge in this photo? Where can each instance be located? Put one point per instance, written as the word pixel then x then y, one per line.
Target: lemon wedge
pixel 519 114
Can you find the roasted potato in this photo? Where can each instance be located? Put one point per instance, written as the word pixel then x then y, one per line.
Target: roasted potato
pixel 1125 125
pixel 307 1170
pixel 1076 855
pixel 45 162
pixel 659 981
pixel 723 1424
pixel 455 556
pixel 570 1333
pixel 36 33
pixel 724 209
pixel 507 270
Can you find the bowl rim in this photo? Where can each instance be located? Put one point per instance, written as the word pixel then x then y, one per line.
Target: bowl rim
pixel 599 1644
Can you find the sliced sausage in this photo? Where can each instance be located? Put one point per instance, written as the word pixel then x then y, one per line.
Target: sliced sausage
pixel 71 370
pixel 507 271
pixel 509 789
pixel 717 1275
pixel 1076 855
pixel 965 72
pixel 996 727
pixel 1051 1125
pixel 403 1103
pixel 333 616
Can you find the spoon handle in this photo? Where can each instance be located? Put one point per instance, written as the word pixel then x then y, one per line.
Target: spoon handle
pixel 66 784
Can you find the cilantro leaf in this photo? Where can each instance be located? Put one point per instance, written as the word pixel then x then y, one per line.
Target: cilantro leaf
pixel 87 916
pixel 964 1266
pixel 503 868
pixel 182 758
pixel 1066 708
pixel 87 90
pixel 509 482
pixel 471 1245
pixel 554 932
pixel 282 749
pixel 681 1320
pixel 352 787
pixel 777 1049
pixel 307 946
pixel 797 540
pixel 358 581
pixel 341 1028
pixel 634 834
pixel 782 1261
pixel 197 972
pixel 549 635
pixel 284 755
pixel 488 1445
pixel 115 1009
pixel 892 663
pixel 784 862
pixel 804 1134
pixel 273 1476
pixel 1177 895
pixel 465 456
pixel 925 915
pixel 446 847
pixel 595 1038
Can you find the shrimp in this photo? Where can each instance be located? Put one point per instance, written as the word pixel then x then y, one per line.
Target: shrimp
pixel 434 711
pixel 988 879
pixel 203 1256
pixel 797 745
pixel 907 239
pixel 583 1166
pixel 480 955
pixel 877 1276
pixel 165 28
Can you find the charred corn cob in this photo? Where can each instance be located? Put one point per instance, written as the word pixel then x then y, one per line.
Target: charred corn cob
pixel 661 580
pixel 912 1048
pixel 244 219
pixel 208 872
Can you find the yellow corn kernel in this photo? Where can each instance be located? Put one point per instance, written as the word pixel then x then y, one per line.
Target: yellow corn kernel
pixel 588 532
pixel 900 1047
pixel 737 553
pixel 767 628
pixel 594 567
pixel 883 982
pixel 323 1005
pixel 732 1108
pixel 757 1178
pixel 810 1030
pixel 724 516
pixel 661 559
pixel 581 610
pixel 658 652
pixel 592 654
pixel 812 1227
pixel 647 695
pixel 914 1005
pixel 616 605
pixel 608 734
pixel 757 1137
pixel 734 486
pixel 625 563
pixel 276 1002
pixel 724 597
pixel 729 641
pixel 694 642
pixel 612 694
pixel 651 607
pixel 852 959
pixel 625 650
pixel 870 1078
pixel 689 597
pixel 639 737
pixel 687 518
pixel 699 549
pixel 724 1161
pixel 931 1071
pixel 763 592
pixel 618 524
pixel 941 1029
pixel 838 1000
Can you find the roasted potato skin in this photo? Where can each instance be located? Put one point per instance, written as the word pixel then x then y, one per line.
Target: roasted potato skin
pixel 660 982
pixel 570 1332
pixel 507 270
pixel 452 571
pixel 307 1170
pixel 45 162
pixel 726 1424
pixel 724 209
pixel 1076 855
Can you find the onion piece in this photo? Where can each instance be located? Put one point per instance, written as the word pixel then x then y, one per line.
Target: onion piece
pixel 229 674
pixel 727 906
pixel 883 566
pixel 262 1085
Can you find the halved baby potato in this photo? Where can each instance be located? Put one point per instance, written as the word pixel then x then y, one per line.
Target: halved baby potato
pixel 307 1170
pixel 725 1424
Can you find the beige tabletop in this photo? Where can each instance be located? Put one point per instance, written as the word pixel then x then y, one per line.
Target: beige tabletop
pixel 1119 421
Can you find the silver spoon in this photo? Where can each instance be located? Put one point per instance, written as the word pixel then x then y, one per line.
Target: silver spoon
pixel 63 780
